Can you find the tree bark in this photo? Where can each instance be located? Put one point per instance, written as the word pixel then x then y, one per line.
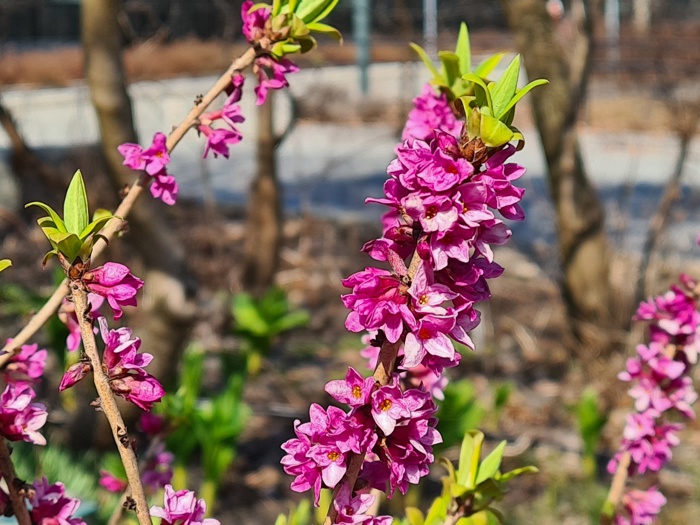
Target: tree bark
pixel 583 245
pixel 264 220
pixel 167 304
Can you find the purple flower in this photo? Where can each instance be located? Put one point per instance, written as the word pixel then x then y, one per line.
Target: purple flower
pixel 157 157
pixel 182 508
pixel 153 161
pixel 430 337
pixel 165 188
pixel 351 509
pixel 218 140
pixel 355 390
pixel 430 112
pixel 114 282
pixel 20 419
pixel 112 483
pixel 318 455
pixel 66 313
pixel 253 23
pixel 388 407
pixel 75 373
pixel 51 505
pixel 124 366
pixel 158 469
pixel 642 507
pixel 26 366
pixel 279 67
pixel 379 301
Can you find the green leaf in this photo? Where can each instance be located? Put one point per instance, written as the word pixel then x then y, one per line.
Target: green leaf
pixel 5 264
pixel 247 316
pixel 290 321
pixel 504 88
pixel 493 132
pixel 426 60
pixel 70 246
pixel 94 227
pixel 488 65
pixel 293 4
pixel 483 95
pixel 437 511
pixel 276 7
pixel 258 6
pixel 281 520
pixel 54 216
pixel 522 92
pixel 450 65
pixel 75 206
pixel 478 438
pixel 414 516
pixel 517 472
pixel 326 30
pixel 314 10
pixel 457 490
pixel 469 458
pixel 490 465
pixel 463 50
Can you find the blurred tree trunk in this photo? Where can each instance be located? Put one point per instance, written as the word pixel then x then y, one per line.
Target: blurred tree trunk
pixel 583 246
pixel 166 306
pixel 263 232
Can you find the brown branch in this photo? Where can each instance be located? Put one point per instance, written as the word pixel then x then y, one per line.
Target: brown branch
pixel 113 226
pixel 108 403
pixel 7 470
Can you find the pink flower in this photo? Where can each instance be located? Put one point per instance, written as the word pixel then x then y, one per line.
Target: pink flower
pixel 74 374
pixel 114 282
pixel 66 313
pixel 388 407
pixel 156 157
pixel 158 470
pixel 51 506
pixel 20 419
pixel 218 140
pixel 355 390
pixel 165 188
pixel 253 23
pixel 279 67
pixel 430 112
pixel 351 509
pixel 26 366
pixel 152 424
pixel 379 301
pixel 111 483
pixel 182 508
pixel 124 366
pixel 153 161
pixel 642 507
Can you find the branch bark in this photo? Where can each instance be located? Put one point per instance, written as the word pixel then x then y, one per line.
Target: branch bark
pixel 583 245
pixel 108 404
pixel 7 472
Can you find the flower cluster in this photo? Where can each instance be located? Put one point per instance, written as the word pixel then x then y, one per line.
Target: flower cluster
pixel 182 508
pixel 395 429
pixel 661 385
pixel 442 202
pixel 271 71
pixel 153 161
pixel 219 139
pixel 20 417
pixel 124 367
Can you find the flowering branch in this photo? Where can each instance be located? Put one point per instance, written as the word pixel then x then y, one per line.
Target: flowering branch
pixel 7 472
pixel 122 212
pixel 108 404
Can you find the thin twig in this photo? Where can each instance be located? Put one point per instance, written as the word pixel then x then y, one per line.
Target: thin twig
pixel 135 191
pixel 108 403
pixel 7 470
pixel 617 489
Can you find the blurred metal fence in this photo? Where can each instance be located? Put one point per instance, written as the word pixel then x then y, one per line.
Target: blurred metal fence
pixel 43 21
